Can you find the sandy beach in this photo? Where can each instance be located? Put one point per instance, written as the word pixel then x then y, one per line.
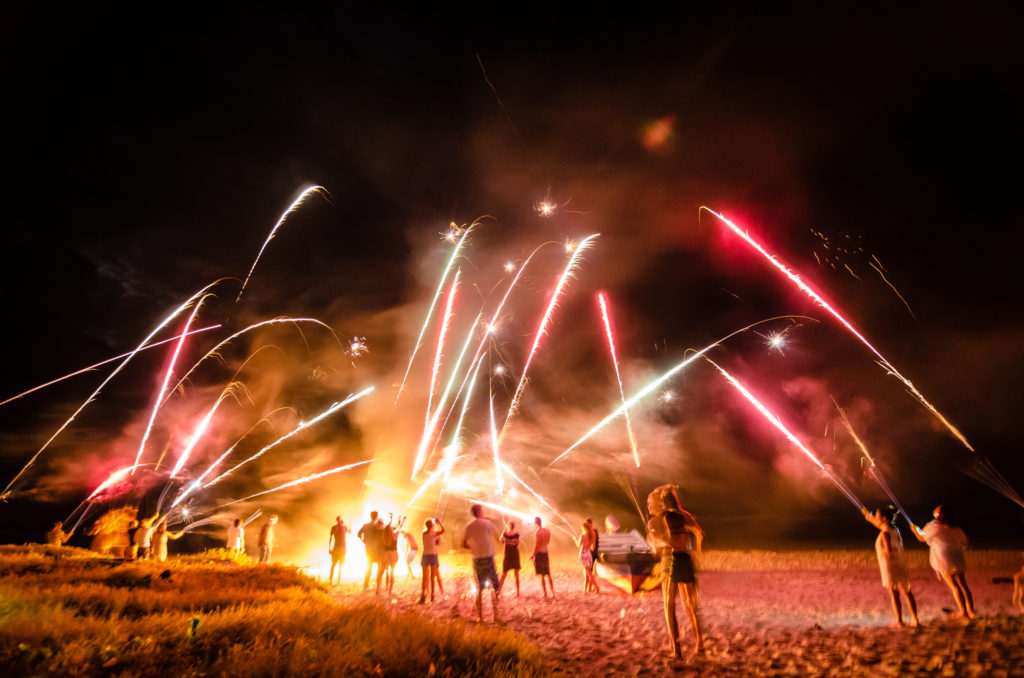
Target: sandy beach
pixel 766 613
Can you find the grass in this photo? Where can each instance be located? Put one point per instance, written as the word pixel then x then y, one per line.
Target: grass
pixel 66 611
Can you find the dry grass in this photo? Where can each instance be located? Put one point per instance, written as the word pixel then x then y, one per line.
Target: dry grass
pixel 68 612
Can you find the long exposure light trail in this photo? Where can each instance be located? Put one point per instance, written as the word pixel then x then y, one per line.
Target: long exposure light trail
pixel 102 363
pixel 809 291
pixel 499 481
pixel 656 383
pixel 158 401
pixel 305 479
pixel 542 328
pixel 114 478
pixel 872 467
pixel 777 423
pixel 201 428
pixel 618 375
pixel 163 323
pixel 302 427
pixel 430 311
pixel 306 192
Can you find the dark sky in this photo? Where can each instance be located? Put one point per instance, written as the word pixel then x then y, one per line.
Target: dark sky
pixel 149 153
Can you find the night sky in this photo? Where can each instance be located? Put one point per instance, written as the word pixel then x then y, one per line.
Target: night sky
pixel 149 154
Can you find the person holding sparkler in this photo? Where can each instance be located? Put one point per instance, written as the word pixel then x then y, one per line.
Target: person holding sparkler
pixel 160 537
pixel 336 547
pixel 479 538
pixel 57 536
pixel 676 535
pixel 946 544
pixel 432 531
pixel 510 538
pixel 891 561
pixel 541 562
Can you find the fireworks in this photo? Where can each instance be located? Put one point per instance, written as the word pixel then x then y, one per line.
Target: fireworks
pixel 618 376
pixel 777 423
pixel 305 479
pixel 306 192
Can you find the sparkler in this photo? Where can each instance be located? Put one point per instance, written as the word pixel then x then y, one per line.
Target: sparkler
pixel 655 384
pixel 433 303
pixel 542 328
pixel 167 378
pixel 306 192
pixel 777 423
pixel 306 479
pixel 163 323
pixel 102 363
pixel 872 467
pixel 301 427
pixel 806 289
pixel 618 376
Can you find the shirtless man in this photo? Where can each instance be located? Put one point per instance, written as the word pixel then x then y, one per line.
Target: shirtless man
pixel 541 562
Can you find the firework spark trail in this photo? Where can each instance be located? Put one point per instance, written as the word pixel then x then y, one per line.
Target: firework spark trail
pixel 499 481
pixel 102 363
pixel 542 327
pixel 618 376
pixel 302 427
pixel 872 467
pixel 441 472
pixel 526 518
pixel 256 514
pixel 197 483
pixel 306 479
pixel 886 280
pixel 806 289
pixel 158 401
pixel 453 446
pixel 215 350
pixel 535 494
pixel 777 423
pixel 488 331
pixel 449 308
pixel 114 478
pixel 433 303
pixel 163 323
pixel 306 192
pixel 654 385
pixel 431 426
pixel 228 392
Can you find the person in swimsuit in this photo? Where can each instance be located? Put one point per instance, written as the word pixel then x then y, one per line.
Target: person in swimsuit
pixel 891 562
pixel 541 563
pixel 432 531
pixel 510 538
pixel 675 535
pixel 946 544
pixel 586 544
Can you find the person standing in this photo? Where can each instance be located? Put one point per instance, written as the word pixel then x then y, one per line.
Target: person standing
pixel 57 536
pixel 370 535
pixel 160 537
pixel 266 541
pixel 946 544
pixel 432 531
pixel 236 538
pixel 510 538
pixel 411 548
pixel 586 543
pixel 336 547
pixel 541 561
pixel 676 536
pixel 479 538
pixel 389 540
pixel 892 563
pixel 144 536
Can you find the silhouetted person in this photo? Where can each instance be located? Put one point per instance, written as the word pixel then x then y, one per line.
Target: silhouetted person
pixel 336 544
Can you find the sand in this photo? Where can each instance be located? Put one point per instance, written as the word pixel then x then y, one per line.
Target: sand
pixel 788 614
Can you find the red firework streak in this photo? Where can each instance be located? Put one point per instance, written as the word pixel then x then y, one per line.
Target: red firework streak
pixel 618 376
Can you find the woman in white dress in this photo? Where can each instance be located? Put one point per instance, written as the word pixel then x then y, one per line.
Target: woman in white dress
pixel 892 563
pixel 946 545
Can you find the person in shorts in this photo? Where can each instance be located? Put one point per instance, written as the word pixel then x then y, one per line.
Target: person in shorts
pixel 541 562
pixel 479 538
pixel 432 531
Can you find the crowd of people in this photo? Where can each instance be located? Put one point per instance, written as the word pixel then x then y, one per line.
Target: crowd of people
pixel 673 533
